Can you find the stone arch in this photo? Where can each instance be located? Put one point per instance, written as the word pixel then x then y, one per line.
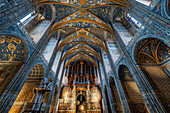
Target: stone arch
pixel 152 57
pixel 115 95
pixel 13 53
pixel 27 93
pixel 143 37
pixel 35 23
pixel 165 8
pixel 131 90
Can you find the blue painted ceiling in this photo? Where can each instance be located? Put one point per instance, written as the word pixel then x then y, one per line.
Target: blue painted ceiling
pixel 82 23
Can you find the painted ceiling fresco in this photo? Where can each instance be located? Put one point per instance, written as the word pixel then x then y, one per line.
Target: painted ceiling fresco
pixel 12 48
pixel 152 51
pixel 83 25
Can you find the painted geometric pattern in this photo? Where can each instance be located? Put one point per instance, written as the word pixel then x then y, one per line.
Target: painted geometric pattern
pixel 26 93
pixel 101 12
pixel 63 11
pixel 151 51
pixel 12 48
pixel 82 24
pixel 84 3
pixel 107 64
pixel 98 32
pixel 82 14
pixel 125 35
pixel 114 50
pixel 140 108
pixel 82 32
pixel 37 71
pixel 16 108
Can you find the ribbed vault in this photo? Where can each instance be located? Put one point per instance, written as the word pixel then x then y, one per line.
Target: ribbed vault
pixel 83 25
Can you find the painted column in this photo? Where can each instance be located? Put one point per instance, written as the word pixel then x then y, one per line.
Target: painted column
pixel 53 85
pixel 18 81
pixel 52 59
pixel 102 90
pixel 118 84
pixel 148 94
pixel 152 20
pixel 59 88
pixel 111 101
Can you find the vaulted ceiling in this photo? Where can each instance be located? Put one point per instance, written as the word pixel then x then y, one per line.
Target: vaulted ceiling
pixel 83 25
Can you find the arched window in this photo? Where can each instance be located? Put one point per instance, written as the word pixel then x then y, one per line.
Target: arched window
pixel 134 21
pixel 145 2
pixel 36 23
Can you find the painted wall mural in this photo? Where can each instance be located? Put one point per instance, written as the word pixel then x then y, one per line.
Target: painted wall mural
pixel 151 50
pixel 12 48
pixel 114 50
pixel 125 35
pixel 67 100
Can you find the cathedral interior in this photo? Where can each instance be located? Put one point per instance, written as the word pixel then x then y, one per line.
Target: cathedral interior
pixel 84 56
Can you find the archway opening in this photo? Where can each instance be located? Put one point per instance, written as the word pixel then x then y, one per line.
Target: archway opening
pixel 153 58
pixel 12 56
pixel 36 23
pixel 131 90
pixel 115 96
pixel 28 92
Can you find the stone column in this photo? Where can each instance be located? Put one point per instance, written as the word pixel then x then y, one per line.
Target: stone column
pixel 118 84
pixel 102 90
pixel 59 89
pixel 152 101
pixel 9 96
pixel 52 59
pixel 53 85
pixel 111 101
pixel 150 19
